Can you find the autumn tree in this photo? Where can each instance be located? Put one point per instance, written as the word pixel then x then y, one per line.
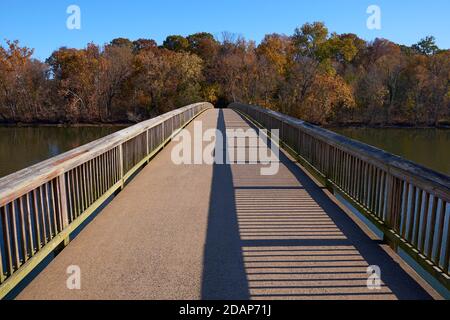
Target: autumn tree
pixel 116 68
pixel 22 84
pixel 426 46
pixel 165 80
pixel 176 43
pixel 312 74
pixel 144 44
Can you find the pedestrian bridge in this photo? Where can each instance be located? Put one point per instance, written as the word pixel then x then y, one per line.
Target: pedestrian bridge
pixel 336 215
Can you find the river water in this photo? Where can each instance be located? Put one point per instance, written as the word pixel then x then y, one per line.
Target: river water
pixel 21 147
pixel 429 147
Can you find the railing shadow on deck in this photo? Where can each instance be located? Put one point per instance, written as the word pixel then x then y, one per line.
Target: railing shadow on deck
pixel 407 202
pixel 402 285
pixel 297 244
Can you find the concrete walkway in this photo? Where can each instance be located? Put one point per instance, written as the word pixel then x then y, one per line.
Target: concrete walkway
pixel 222 232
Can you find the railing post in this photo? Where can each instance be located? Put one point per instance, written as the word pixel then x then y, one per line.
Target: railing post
pixel 163 132
pixel 121 165
pixel 146 144
pixel 63 199
pixel 2 276
pixel 328 163
pixel 394 192
pixel 63 203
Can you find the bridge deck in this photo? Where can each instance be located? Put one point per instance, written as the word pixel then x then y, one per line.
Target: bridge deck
pixel 222 231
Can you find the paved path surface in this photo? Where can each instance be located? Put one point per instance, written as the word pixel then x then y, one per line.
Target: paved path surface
pixel 220 232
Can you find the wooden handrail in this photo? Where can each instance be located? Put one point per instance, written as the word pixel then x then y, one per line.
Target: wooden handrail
pixel 40 206
pixel 407 201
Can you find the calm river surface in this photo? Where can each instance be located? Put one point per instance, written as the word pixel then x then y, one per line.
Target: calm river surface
pixel 21 147
pixel 429 147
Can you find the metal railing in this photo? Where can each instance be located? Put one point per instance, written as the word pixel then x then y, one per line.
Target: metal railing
pixel 41 205
pixel 408 202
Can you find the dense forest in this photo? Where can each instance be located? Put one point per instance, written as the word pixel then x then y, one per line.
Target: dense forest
pixel 322 77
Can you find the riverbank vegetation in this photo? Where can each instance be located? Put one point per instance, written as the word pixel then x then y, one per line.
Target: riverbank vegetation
pixel 322 77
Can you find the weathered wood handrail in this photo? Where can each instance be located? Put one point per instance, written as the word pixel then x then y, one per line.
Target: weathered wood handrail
pixel 42 204
pixel 408 202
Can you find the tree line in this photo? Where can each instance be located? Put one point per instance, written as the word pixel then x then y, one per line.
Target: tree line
pixel 322 77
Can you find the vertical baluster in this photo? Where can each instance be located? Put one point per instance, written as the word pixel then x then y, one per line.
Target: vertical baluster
pixel 369 186
pixel 363 183
pixel 108 168
pixel 111 167
pixel 133 152
pixel 63 202
pixel 48 215
pixel 30 225
pixel 355 178
pixel 366 184
pixel 92 180
pixel 373 188
pixel 23 239
pixel 344 171
pixel 12 211
pixel 55 214
pixel 2 273
pixel 44 225
pixel 96 178
pixel 440 232
pixel 417 216
pixel 151 138
pixel 404 215
pixel 377 192
pixel 335 165
pixel 36 220
pixel 424 226
pixel 81 186
pixel 332 161
pixel 115 165
pixel 447 245
pixel 73 206
pixel 105 178
pixel 121 163
pixel 85 186
pixel 341 170
pixel 432 228
pixel 7 239
pixel 412 214
pixel 101 175
pixel 358 179
pixel 118 162
pixel 58 207
pixel 394 192
pixel 87 196
pixel 77 192
pixel 350 175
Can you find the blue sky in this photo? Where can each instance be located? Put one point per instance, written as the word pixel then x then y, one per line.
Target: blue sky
pixel 42 24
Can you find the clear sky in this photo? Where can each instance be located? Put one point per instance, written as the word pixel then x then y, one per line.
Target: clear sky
pixel 42 24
